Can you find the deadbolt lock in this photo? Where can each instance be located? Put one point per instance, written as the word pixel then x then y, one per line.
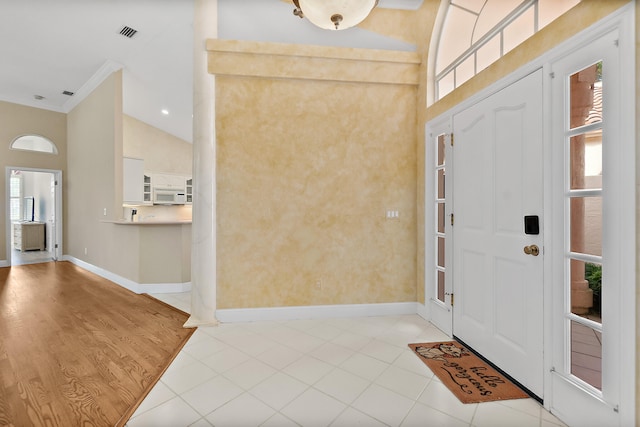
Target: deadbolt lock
pixel 532 250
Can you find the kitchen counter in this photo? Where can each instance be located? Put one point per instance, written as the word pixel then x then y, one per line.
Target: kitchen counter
pixel 150 222
pixel 153 251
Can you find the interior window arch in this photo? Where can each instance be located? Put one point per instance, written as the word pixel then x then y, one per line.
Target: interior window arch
pixel 34 143
pixel 476 33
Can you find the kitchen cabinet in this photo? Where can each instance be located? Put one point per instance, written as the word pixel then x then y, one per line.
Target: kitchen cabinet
pixel 189 190
pixel 168 182
pixel 28 236
pixel 147 190
pixel 133 172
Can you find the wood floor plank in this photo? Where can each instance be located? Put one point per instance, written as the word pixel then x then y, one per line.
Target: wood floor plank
pixel 76 349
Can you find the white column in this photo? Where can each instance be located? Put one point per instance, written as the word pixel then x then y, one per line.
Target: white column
pixel 203 240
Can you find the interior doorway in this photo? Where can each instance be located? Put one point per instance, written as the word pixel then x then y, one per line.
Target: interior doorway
pixel 34 210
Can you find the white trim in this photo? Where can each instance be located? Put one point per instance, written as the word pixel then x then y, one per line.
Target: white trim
pixel 118 280
pixel 108 68
pixel 138 288
pixel 164 288
pixel 233 315
pixel 58 202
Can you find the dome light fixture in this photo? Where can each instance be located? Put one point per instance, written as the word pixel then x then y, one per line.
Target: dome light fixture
pixel 334 14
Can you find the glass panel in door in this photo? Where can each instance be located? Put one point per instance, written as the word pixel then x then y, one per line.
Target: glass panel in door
pixel 585 219
pixel 440 217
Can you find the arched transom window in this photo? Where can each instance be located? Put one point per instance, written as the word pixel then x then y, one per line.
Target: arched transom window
pixel 476 33
pixel 34 143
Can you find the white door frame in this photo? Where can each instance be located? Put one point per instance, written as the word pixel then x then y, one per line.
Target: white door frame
pixel 622 19
pixel 57 176
pixel 619 164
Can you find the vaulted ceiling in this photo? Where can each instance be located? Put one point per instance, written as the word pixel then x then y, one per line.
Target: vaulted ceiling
pixel 53 47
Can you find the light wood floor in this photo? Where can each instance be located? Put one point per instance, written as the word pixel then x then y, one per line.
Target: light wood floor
pixel 76 349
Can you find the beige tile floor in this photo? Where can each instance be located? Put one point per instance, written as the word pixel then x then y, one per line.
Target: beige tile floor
pixel 329 372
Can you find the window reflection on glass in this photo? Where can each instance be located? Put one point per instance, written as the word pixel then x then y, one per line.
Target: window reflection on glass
pixel 441 286
pixel 519 30
pixel 585 96
pixel 586 298
pixel 441 184
pixel 465 70
pixel 441 149
pixel 586 354
pixel 488 54
pixel 586 160
pixel 586 225
pixel 441 252
pixel 440 218
pixel 446 85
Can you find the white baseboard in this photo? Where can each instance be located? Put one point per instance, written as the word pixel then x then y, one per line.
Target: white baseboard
pixel 164 288
pixel 233 315
pixel 138 288
pixel 423 311
pixel 4 263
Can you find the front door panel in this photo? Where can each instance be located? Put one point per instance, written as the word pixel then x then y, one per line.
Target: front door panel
pixel 496 183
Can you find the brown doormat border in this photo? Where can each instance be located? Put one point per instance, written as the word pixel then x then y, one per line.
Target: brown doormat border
pixel 470 379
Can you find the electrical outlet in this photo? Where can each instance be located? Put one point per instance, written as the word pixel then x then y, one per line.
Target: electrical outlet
pixel 104 212
pixel 318 284
pixel 85 251
pixel 392 214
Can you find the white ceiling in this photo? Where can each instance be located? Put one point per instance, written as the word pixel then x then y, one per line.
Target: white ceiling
pixel 70 45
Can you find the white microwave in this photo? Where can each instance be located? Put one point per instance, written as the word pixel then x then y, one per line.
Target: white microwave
pixel 168 196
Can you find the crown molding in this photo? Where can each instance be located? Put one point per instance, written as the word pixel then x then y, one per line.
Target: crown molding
pixel 108 68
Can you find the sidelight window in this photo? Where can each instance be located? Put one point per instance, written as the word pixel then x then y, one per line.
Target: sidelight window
pixel 584 195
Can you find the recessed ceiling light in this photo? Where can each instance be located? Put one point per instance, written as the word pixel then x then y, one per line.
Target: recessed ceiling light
pixel 165 111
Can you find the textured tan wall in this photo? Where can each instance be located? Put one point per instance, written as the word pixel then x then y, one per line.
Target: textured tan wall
pixel 161 151
pixel 17 120
pixel 306 170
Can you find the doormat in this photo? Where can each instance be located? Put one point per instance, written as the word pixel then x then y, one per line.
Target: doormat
pixel 468 377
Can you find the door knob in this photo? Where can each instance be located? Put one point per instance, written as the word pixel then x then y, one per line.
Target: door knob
pixel 532 250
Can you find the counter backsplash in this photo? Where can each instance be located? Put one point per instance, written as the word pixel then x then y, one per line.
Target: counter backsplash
pixel 157 213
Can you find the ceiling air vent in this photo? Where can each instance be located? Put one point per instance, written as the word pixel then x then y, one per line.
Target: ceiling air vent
pixel 128 31
pixel 66 92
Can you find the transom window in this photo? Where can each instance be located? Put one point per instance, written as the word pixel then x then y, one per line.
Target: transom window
pixel 34 143
pixel 476 33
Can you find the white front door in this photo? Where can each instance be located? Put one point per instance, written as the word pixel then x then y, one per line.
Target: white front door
pixel 497 182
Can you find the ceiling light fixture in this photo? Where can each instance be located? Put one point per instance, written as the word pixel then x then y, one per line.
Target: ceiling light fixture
pixel 165 111
pixel 334 14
